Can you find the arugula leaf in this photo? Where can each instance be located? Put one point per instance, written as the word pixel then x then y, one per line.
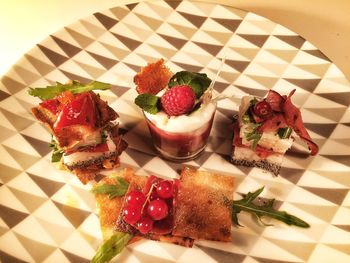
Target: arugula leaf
pixel 266 209
pixel 253 135
pixel 112 190
pixel 57 151
pixel 284 133
pixel 148 102
pixel 199 82
pixel 75 87
pixel 111 247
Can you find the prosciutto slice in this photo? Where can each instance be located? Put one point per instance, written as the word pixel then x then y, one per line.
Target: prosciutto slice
pixel 274 123
pixel 275 100
pixel 293 119
pixel 285 114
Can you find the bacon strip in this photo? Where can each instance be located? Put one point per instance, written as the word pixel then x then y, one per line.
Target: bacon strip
pixel 293 119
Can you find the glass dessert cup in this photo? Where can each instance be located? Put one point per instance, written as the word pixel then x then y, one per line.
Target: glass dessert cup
pixel 185 143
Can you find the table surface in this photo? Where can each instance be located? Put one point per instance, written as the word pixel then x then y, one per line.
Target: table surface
pixel 24 23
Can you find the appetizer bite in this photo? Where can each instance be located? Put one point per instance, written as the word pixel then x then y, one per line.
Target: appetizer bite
pixel 199 205
pixel 85 137
pixel 264 131
pixel 178 109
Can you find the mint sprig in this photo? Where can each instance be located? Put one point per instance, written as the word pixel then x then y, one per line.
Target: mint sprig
pixel 264 210
pixel 75 87
pixel 199 82
pixel 148 102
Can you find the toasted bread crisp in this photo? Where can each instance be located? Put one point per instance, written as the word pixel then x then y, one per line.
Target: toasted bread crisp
pixel 109 209
pixel 152 78
pixel 204 206
pixel 111 212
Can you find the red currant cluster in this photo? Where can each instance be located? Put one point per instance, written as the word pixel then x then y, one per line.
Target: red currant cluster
pixel 143 208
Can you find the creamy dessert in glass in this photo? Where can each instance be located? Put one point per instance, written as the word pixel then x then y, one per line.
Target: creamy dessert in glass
pixel 178 109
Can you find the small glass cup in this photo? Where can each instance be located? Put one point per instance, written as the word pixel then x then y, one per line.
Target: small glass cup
pixel 182 145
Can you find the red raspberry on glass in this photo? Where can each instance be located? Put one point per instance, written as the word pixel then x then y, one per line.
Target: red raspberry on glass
pixel 178 100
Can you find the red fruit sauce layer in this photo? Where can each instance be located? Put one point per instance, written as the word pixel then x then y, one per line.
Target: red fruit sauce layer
pixel 180 144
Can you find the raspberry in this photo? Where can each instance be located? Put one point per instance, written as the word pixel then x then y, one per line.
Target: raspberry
pixel 178 100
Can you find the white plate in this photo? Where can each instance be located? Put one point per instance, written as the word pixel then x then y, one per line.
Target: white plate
pixel 49 216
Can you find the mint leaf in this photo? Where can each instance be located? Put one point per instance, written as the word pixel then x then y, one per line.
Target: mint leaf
pixel 75 87
pixel 199 82
pixel 148 102
pixel 57 152
pixel 111 247
pixel 112 190
pixel 264 210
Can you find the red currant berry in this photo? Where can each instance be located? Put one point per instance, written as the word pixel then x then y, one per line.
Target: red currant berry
pixel 262 109
pixel 145 224
pixel 153 196
pixel 165 189
pixel 135 198
pixel 157 209
pixel 151 181
pixel 132 214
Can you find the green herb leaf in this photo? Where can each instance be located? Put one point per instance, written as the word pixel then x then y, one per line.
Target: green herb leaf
pixel 284 133
pixel 148 102
pixel 253 135
pixel 75 87
pixel 111 247
pixel 199 82
pixel 253 102
pixel 246 118
pixel 57 152
pixel 112 190
pixel 264 210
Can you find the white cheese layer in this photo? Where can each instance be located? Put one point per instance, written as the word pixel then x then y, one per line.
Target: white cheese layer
pixel 268 140
pixel 183 123
pixel 86 156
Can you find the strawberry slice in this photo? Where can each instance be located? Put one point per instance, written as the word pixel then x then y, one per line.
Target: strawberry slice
pixel 52 105
pixel 79 111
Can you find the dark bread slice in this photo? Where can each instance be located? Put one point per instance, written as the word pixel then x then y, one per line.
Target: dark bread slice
pixel 204 206
pixel 88 170
pixel 263 164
